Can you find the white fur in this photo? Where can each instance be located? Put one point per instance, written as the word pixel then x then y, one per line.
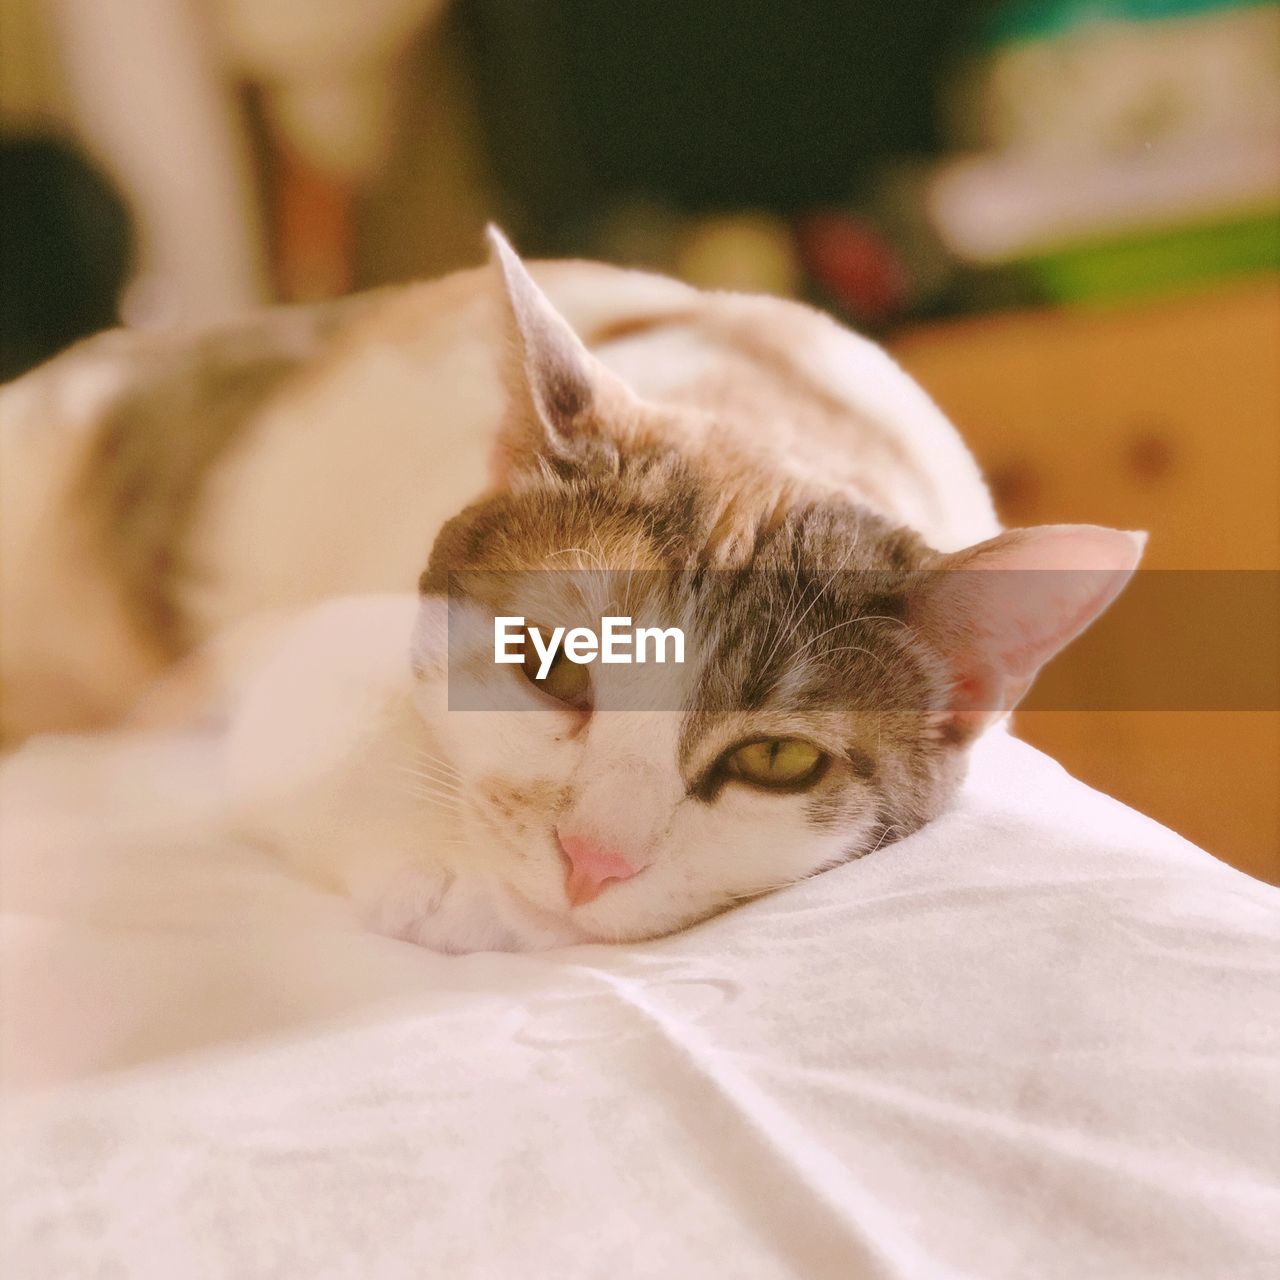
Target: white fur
pixel 354 769
pixel 327 764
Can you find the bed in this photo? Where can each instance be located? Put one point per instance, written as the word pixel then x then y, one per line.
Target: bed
pixel 1040 1038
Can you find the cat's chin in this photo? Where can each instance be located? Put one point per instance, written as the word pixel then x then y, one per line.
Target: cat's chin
pixel 457 914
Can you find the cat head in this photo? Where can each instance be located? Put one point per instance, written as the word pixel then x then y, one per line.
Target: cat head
pixel 836 669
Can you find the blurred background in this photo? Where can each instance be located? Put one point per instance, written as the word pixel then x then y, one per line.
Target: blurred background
pixel 1063 216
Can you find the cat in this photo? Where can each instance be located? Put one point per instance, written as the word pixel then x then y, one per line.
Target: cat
pixel 743 465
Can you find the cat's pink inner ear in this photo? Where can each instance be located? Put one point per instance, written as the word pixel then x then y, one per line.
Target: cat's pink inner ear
pixel 997 612
pixel 555 387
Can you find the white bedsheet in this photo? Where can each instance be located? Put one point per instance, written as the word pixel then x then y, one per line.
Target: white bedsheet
pixel 1039 1039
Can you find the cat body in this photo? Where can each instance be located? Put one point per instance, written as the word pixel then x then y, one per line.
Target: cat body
pixel 366 426
pixel 539 444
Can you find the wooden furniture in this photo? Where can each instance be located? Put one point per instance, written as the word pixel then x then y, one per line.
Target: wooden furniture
pixel 1163 415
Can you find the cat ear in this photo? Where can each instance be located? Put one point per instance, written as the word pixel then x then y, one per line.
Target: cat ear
pixel 558 392
pixel 997 612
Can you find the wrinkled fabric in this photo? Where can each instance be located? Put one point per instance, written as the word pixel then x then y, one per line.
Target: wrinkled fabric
pixel 1039 1038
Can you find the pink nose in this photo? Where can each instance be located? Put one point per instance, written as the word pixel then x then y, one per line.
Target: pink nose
pixel 590 868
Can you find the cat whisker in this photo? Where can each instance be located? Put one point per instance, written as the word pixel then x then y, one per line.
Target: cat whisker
pixel 435 764
pixel 426 786
pixel 445 804
pixel 876 617
pixel 884 835
pixel 747 895
pixel 786 611
pixel 814 639
pixel 826 586
pixel 809 608
pixel 449 782
pixel 881 617
pixel 427 771
pixel 448 808
pixel 856 648
pixel 580 551
pixel 426 790
pixel 428 757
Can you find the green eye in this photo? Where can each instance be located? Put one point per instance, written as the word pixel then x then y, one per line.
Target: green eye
pixel 566 681
pixel 784 764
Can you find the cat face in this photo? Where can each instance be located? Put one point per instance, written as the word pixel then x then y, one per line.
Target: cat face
pixel 801 730
pixel 834 672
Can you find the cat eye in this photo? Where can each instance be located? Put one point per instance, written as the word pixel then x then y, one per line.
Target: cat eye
pixel 566 681
pixel 779 764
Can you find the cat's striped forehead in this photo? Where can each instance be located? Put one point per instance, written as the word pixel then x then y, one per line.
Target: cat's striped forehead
pixel 663 509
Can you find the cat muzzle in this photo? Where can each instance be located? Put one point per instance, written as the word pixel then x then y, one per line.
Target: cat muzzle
pixel 591 867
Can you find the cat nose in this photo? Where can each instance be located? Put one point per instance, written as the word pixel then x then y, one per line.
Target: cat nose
pixel 590 868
